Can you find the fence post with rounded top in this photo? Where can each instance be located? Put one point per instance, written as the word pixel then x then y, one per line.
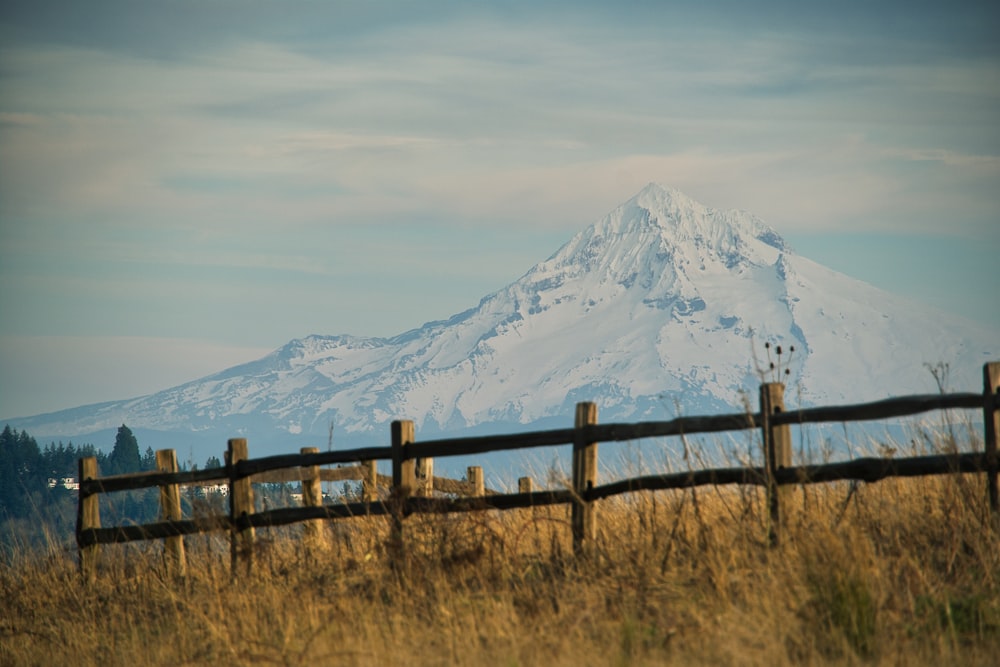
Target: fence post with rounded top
pixel 241 535
pixel 88 517
pixel 404 483
pixel 583 518
pixel 170 510
pixel 524 485
pixel 777 442
pixel 991 421
pixel 477 488
pixel 312 496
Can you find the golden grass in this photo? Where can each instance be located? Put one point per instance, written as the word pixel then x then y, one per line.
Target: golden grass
pixel 900 572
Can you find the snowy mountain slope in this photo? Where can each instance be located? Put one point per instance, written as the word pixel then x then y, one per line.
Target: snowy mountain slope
pixel 664 300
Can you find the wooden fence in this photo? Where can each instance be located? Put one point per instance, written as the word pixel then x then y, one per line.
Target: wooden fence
pixel 409 487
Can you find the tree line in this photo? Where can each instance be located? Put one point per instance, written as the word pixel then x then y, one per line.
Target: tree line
pixel 35 505
pixel 37 509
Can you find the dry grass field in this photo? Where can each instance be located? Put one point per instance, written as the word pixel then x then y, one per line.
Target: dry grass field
pixel 902 572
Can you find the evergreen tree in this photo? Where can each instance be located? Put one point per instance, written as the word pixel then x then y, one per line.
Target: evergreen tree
pixel 59 461
pixel 125 456
pixel 149 459
pixel 30 510
pixel 9 481
pixel 21 472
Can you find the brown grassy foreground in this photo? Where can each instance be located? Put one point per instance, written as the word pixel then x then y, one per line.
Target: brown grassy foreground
pixel 899 572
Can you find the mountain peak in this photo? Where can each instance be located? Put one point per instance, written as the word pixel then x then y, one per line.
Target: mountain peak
pixel 660 231
pixel 655 196
pixel 683 218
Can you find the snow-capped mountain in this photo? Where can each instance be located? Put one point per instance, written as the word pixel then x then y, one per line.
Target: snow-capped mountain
pixel 663 303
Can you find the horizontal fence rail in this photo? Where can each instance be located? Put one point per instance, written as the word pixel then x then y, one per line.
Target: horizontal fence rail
pixel 249 467
pixel 412 486
pixel 862 469
pixel 902 406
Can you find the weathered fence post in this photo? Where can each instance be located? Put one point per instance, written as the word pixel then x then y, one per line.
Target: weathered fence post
pixel 777 451
pixel 476 484
pixel 423 472
pixel 369 481
pixel 88 516
pixel 241 535
pixel 403 484
pixel 991 420
pixel 583 517
pixel 524 485
pixel 312 496
pixel 170 510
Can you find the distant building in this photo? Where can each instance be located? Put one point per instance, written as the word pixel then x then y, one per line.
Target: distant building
pixel 65 482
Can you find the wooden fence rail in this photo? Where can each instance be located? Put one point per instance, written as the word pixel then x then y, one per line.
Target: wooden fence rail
pixel 411 486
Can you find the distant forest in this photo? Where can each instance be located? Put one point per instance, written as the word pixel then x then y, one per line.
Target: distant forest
pixel 38 509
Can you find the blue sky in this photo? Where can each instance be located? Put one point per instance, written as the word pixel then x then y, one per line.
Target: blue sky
pixel 188 185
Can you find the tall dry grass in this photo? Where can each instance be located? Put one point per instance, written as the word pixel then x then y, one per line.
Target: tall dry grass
pixel 899 572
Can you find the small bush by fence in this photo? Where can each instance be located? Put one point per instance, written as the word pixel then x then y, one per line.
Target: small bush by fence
pixel 410 488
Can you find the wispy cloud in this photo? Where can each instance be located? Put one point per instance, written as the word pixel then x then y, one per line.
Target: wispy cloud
pixel 404 112
pixel 176 171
